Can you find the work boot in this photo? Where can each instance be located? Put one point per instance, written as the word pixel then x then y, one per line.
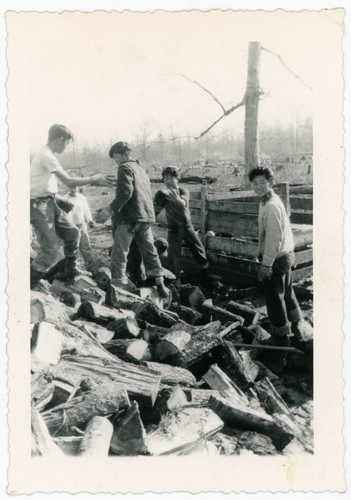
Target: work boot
pixel 161 288
pixel 35 276
pixel 302 335
pixel 275 360
pixel 70 268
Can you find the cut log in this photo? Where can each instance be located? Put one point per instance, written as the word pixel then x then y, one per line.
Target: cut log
pixel 251 368
pixel 42 442
pixel 97 438
pixel 62 392
pixel 101 334
pixel 246 312
pixel 219 381
pixel 45 307
pixel 150 313
pixel 129 350
pixel 200 397
pixel 119 298
pixel 191 296
pixel 229 360
pixel 270 399
pixel 171 344
pixel 247 418
pixel 102 315
pixel 124 328
pixel 142 383
pixel 83 286
pixel 42 389
pixel 172 375
pixel 182 431
pixel 69 445
pixel 199 346
pixel 168 399
pixel 46 343
pixel 151 293
pixel 187 314
pixel 104 400
pixel 128 433
pixel 219 313
pixel 102 276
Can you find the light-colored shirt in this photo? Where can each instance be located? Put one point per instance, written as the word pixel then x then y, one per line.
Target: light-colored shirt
pixel 275 237
pixel 43 180
pixel 80 212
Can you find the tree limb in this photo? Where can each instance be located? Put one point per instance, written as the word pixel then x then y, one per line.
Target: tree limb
pixel 291 71
pixel 226 113
pixel 203 88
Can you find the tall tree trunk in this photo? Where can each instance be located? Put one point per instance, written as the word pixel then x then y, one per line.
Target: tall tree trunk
pixel 251 109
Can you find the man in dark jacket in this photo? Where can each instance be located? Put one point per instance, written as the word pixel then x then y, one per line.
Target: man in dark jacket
pixel 132 214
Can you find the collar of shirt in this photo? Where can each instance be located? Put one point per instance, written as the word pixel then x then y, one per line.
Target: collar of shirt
pixel 267 197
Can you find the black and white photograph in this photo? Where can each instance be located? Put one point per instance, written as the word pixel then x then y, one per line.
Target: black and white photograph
pixel 172 262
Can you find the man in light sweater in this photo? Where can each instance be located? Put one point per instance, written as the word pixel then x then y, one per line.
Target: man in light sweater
pixel 276 254
pixel 81 217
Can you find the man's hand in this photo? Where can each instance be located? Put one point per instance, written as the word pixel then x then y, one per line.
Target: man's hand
pixel 172 194
pixel 259 256
pixel 103 180
pixel 91 224
pixel 265 273
pixel 103 215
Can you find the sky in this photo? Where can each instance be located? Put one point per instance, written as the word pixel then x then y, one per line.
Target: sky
pixel 117 76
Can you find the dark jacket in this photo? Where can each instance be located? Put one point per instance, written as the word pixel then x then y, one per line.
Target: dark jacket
pixel 177 213
pixel 133 202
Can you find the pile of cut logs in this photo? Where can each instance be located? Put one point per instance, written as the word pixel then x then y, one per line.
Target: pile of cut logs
pixel 115 373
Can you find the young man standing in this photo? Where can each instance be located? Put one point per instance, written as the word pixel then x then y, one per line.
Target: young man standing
pixel 276 254
pixel 132 214
pixel 46 216
pixel 81 217
pixel 175 200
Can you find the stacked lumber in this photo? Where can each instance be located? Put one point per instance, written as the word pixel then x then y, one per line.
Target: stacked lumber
pixel 122 375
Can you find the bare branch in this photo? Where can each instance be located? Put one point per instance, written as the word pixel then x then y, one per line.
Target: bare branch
pixel 203 88
pixel 226 113
pixel 290 70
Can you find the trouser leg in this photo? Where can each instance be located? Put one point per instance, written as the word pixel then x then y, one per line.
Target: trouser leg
pixel 174 250
pixel 135 267
pixel 292 305
pixel 68 232
pixel 42 217
pixel 145 241
pixel 85 247
pixel 194 243
pixel 121 244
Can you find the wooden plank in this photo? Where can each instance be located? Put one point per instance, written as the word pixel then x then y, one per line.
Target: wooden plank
pixel 233 246
pixel 240 207
pixel 301 201
pixel 304 256
pixel 302 216
pixel 302 273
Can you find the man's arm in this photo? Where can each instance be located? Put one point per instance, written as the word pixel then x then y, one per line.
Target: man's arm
pixel 159 202
pixel 273 235
pixel 95 180
pixel 184 195
pixel 125 188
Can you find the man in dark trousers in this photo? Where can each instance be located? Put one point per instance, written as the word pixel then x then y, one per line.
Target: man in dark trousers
pixel 276 255
pixel 175 200
pixel 133 215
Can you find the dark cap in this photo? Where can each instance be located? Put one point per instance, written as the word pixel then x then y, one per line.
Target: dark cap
pixel 161 245
pixel 119 148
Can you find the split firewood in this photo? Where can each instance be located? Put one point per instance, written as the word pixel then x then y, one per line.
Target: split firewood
pixel 42 442
pixel 83 286
pixel 97 438
pixel 102 276
pixel 229 360
pixel 187 314
pixel 62 392
pixel 44 307
pixel 200 346
pixel 191 296
pixel 219 313
pixel 42 388
pixel 102 401
pixel 271 400
pixel 247 418
pixel 180 431
pixel 149 312
pixel 46 343
pixel 100 314
pixel 168 399
pixel 151 293
pixel 141 382
pixel 219 381
pixel 199 397
pixel 248 313
pixel 69 445
pixel 129 350
pixel 120 299
pixel 101 333
pixel 129 435
pixel 172 375
pixel 170 345
pixel 124 328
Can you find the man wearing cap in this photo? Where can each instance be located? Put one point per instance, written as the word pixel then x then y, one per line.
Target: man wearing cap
pixel 48 212
pixel 175 200
pixel 132 214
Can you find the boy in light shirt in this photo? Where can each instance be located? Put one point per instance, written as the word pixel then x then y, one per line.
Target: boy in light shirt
pixel 276 254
